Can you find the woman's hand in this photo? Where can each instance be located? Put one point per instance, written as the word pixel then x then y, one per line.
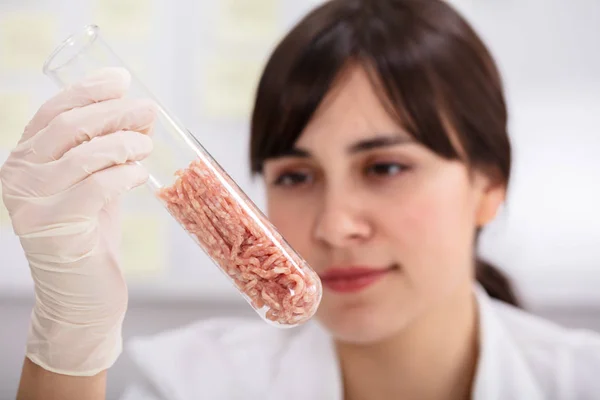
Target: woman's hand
pixel 61 185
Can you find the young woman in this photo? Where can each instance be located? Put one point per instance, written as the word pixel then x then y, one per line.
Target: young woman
pixel 380 130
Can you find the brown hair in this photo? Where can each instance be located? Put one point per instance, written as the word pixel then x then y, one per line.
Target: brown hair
pixel 433 72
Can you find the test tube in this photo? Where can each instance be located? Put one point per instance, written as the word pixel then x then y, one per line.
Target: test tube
pixel 204 199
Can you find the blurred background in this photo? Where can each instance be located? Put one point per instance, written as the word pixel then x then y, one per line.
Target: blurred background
pixel 202 59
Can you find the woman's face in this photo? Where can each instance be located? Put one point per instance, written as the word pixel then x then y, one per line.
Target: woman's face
pixel 386 223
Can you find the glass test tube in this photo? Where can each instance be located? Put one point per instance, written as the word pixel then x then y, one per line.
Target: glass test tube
pixel 204 199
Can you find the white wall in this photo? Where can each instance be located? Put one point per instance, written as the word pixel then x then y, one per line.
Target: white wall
pixel 549 233
pixel 548 238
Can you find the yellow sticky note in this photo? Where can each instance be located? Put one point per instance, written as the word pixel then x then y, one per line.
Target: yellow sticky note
pixel 247 21
pixel 130 19
pixel 162 162
pixel 14 115
pixel 143 247
pixel 227 87
pixel 26 40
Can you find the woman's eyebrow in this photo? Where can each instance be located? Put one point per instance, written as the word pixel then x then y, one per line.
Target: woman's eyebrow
pixel 361 145
pixel 379 141
pixel 293 152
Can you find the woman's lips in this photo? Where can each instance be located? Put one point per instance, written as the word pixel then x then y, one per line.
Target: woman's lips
pixel 352 279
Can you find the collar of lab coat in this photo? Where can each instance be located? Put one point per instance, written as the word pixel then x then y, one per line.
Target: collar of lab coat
pixel 502 371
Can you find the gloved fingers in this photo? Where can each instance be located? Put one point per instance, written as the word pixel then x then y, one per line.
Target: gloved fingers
pixel 77 126
pixel 90 157
pixel 104 84
pixel 101 188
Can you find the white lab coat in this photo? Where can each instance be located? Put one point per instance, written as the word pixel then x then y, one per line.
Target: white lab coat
pixel 522 357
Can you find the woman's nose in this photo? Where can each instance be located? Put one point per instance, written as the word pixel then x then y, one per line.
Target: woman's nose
pixel 342 222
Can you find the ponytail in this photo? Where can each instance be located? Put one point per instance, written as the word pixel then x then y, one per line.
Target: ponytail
pixel 496 284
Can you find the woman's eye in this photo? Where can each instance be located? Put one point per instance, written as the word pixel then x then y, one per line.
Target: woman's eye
pixel 292 179
pixel 385 169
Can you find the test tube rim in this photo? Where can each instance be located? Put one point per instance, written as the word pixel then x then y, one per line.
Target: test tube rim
pixel 89 32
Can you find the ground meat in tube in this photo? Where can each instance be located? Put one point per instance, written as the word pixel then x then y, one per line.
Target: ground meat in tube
pixel 269 276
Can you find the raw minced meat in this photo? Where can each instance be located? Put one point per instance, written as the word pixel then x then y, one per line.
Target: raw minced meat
pixel 243 243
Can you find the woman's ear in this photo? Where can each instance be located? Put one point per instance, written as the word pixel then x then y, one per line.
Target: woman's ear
pixel 492 197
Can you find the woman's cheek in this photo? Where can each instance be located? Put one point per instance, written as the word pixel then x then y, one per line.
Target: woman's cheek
pixel 424 224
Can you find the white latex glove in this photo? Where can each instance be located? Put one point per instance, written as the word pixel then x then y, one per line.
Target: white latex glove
pixel 61 185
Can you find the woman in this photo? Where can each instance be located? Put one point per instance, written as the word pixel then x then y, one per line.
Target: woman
pixel 382 125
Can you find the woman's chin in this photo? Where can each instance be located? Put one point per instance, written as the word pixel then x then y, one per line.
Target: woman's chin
pixel 361 325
